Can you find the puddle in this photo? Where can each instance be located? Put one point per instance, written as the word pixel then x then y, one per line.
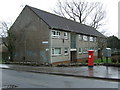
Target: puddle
pixel 3 66
pixel 9 86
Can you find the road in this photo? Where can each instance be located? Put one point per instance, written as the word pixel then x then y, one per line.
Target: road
pixel 37 80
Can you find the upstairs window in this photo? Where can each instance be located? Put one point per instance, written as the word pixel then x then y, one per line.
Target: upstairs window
pixel 85 38
pixel 80 37
pixel 66 51
pixel 91 39
pixel 65 35
pixel 56 51
pixel 56 34
pixel 94 39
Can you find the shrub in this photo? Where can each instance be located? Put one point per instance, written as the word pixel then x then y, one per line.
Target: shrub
pixel 86 61
pixel 113 59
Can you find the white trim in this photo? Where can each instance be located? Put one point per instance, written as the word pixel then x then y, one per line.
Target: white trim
pixel 44 42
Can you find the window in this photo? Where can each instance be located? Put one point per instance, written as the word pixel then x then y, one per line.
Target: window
pixel 80 37
pixel 94 39
pixel 56 51
pixel 56 34
pixel 85 50
pixel 80 50
pixel 91 39
pixel 85 38
pixel 95 49
pixel 65 35
pixel 92 48
pixel 66 51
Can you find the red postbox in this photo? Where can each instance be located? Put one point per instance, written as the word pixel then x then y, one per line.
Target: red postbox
pixel 90 58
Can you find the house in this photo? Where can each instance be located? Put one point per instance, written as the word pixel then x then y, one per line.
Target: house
pixel 45 37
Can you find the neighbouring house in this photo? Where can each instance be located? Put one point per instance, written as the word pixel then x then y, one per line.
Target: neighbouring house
pixel 46 37
pixel 0 48
pixel 3 51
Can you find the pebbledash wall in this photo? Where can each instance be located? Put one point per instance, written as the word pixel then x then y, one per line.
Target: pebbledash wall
pixel 37 42
pixel 61 42
pixel 30 32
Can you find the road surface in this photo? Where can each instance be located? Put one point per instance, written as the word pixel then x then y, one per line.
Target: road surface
pixel 19 79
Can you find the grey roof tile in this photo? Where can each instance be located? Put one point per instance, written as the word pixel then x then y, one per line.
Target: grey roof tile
pixel 62 23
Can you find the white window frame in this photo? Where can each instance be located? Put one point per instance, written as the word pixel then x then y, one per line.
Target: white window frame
pixel 66 36
pixel 85 38
pixel 66 50
pixel 79 50
pixel 53 52
pixel 56 34
pixel 91 38
pixel 80 37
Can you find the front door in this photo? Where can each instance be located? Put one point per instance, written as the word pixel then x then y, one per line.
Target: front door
pixel 73 56
pixel 99 53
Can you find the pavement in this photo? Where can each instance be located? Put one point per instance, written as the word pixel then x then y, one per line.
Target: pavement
pixel 97 72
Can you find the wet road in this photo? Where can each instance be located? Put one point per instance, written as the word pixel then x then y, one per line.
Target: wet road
pixel 38 80
pixel 96 71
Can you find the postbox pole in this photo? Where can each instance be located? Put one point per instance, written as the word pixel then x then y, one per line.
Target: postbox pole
pixel 106 60
pixel 90 58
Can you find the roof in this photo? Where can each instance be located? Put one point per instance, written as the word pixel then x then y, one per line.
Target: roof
pixel 57 22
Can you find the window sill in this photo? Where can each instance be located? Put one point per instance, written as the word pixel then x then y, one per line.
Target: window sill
pixel 66 54
pixel 56 55
pixel 55 36
pixel 66 39
pixel 85 52
pixel 85 41
pixel 80 53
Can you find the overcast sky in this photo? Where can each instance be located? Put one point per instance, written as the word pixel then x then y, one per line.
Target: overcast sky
pixel 10 9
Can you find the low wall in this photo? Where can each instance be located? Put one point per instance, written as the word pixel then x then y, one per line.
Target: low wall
pixel 115 58
pixel 81 60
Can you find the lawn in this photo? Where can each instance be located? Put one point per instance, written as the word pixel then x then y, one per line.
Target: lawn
pixel 104 60
pixel 2 61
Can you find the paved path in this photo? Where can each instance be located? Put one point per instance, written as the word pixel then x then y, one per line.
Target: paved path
pixel 111 73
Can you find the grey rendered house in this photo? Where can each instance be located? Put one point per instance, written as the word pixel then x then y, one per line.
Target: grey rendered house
pixel 45 37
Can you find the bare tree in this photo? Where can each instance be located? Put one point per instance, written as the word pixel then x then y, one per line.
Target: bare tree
pixel 102 44
pixel 8 39
pixel 98 16
pixel 83 12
